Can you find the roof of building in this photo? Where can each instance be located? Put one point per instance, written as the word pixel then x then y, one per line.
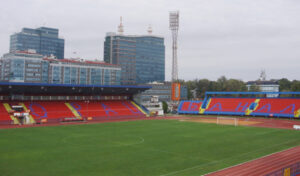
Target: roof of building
pixel 262 82
pixel 26 52
pixel 77 60
pixel 80 61
pixel 134 36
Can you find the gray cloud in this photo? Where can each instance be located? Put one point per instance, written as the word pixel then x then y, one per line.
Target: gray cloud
pixel 217 37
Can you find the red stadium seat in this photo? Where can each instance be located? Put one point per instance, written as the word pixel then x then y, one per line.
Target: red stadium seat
pixel 50 110
pixel 189 107
pixel 230 105
pixel 4 115
pixel 277 106
pixel 53 111
pixel 105 108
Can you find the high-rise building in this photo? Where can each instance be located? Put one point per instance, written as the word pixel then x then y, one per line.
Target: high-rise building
pixel 44 40
pixel 142 58
pixel 29 67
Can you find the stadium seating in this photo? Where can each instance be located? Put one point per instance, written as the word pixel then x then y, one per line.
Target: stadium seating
pixel 56 111
pixel 105 108
pixel 50 110
pixel 276 107
pixel 230 106
pixel 189 107
pixel 4 115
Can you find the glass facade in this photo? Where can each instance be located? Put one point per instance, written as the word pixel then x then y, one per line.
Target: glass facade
pixel 96 75
pixel 74 73
pixel 45 70
pixel 43 40
pixel 83 76
pixel 30 67
pixel 56 75
pixel 142 58
pixel 17 67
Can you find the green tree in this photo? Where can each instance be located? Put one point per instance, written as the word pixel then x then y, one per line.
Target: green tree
pixel 284 85
pixel 191 85
pixel 221 83
pixel 202 86
pixel 235 85
pixel 295 86
pixel 165 107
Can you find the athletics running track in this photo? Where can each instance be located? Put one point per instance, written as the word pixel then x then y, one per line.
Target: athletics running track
pixel 264 165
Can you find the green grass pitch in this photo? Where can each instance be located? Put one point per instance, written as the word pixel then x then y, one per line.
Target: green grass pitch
pixel 135 148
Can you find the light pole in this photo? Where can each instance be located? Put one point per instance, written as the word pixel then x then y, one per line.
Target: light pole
pixel 174 26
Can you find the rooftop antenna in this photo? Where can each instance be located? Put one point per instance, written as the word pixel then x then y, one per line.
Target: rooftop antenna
pixel 174 26
pixel 149 30
pixel 263 75
pixel 121 27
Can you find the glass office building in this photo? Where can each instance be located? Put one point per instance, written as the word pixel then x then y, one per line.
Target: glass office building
pixel 142 58
pixel 44 40
pixel 25 66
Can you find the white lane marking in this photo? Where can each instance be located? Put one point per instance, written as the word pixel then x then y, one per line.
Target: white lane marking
pixel 219 161
pixel 252 160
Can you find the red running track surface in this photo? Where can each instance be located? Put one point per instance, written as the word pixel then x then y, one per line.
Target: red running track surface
pixel 264 165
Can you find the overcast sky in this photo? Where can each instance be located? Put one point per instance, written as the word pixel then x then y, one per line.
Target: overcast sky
pixel 234 38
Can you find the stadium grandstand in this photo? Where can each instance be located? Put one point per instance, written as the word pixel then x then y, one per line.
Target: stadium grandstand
pixel 286 104
pixel 31 103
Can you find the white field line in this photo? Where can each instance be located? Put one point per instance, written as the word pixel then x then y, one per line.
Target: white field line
pixel 267 132
pixel 219 161
pixel 176 154
pixel 142 140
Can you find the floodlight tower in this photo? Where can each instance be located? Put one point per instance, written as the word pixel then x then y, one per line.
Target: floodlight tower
pixel 174 26
pixel 121 27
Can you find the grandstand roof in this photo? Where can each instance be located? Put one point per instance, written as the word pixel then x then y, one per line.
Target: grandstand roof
pixel 68 89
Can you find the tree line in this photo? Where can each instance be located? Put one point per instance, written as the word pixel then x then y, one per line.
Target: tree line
pixel 200 86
